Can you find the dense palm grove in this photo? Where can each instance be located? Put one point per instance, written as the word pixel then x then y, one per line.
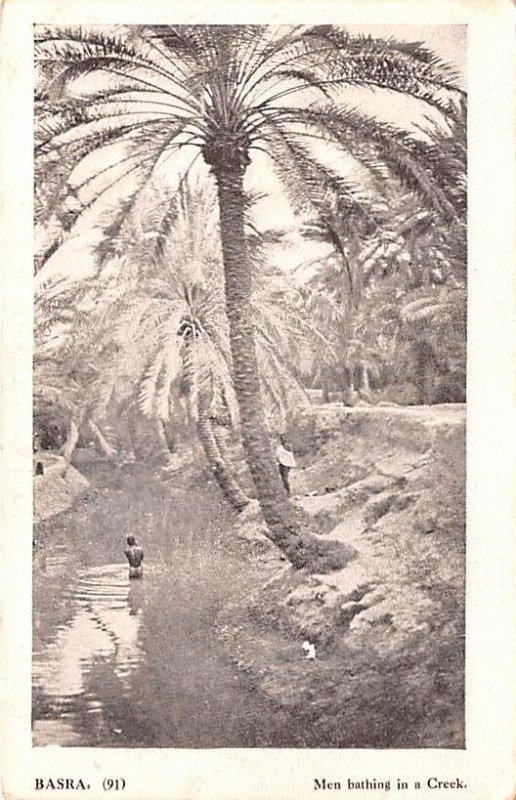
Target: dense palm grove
pixel 145 136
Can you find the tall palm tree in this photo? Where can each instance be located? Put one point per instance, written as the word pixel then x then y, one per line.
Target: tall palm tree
pixel 228 91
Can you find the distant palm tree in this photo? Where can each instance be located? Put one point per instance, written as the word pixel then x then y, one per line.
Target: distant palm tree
pixel 169 329
pixel 389 252
pixel 67 368
pixel 433 331
pixel 228 91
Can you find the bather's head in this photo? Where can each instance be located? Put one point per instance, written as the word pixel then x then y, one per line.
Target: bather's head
pixel 131 541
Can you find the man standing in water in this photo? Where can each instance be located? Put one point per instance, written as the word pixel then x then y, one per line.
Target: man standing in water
pixel 286 461
pixel 134 555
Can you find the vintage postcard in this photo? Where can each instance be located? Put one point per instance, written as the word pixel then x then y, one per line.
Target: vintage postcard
pixel 257 400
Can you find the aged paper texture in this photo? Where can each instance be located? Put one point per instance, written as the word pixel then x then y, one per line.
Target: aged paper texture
pixel 227 277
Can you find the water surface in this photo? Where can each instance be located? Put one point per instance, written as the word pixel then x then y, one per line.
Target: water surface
pixel 121 662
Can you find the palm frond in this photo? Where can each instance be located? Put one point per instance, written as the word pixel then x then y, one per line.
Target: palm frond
pixel 379 145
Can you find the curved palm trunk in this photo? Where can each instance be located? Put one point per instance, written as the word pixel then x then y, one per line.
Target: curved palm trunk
pixel 70 444
pixel 277 512
pixel 229 486
pixel 133 434
pixel 165 451
pixel 105 447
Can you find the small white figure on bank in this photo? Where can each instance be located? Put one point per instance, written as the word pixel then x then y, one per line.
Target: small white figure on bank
pixel 309 649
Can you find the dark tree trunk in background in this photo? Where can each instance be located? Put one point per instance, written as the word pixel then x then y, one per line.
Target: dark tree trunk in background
pixel 425 365
pixel 163 443
pixel 347 387
pixel 170 437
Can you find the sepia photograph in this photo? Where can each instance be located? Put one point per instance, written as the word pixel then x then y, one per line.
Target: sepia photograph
pixel 249 386
pixel 257 399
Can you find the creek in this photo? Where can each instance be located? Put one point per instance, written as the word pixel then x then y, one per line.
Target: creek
pixel 137 663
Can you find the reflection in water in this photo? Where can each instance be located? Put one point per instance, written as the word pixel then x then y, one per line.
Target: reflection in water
pixel 135 598
pixel 137 663
pixel 104 627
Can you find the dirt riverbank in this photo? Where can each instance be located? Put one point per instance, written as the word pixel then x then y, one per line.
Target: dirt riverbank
pixel 389 628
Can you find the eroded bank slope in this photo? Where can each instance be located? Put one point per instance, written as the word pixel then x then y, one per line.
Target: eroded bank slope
pixel 389 628
pixel 57 488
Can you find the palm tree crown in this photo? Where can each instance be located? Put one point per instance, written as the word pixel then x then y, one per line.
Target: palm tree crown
pixel 223 90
